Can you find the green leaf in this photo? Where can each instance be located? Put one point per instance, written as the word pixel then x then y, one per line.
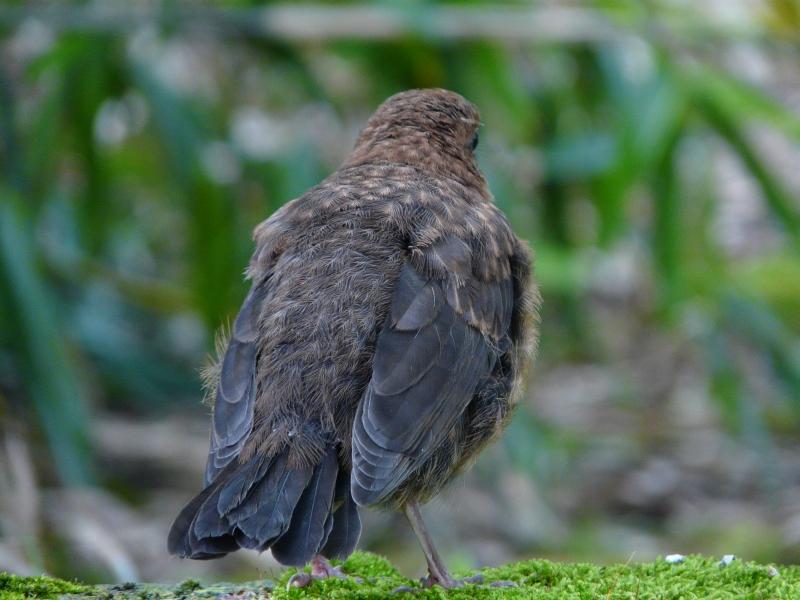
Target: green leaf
pixel 726 124
pixel 49 376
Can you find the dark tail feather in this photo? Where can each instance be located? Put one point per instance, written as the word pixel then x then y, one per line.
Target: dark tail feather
pixel 204 528
pixel 326 530
pixel 267 512
pixel 178 538
pixel 237 489
pixel 212 547
pixel 305 535
pixel 182 540
pixel 346 526
pixel 264 503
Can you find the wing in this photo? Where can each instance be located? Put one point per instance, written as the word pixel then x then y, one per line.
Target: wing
pixel 444 332
pixel 232 419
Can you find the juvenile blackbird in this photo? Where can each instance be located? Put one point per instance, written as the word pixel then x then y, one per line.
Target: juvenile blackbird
pixel 377 352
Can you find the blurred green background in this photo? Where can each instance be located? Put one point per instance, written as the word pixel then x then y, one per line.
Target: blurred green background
pixel 649 151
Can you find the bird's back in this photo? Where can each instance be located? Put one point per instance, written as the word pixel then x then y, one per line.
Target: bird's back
pixel 329 291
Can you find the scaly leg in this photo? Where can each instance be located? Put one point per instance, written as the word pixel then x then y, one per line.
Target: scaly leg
pixel 437 572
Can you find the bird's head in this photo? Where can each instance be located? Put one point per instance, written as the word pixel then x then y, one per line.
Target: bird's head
pixel 434 130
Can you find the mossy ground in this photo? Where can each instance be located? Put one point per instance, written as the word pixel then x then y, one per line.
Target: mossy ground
pixel 697 577
pixel 13 587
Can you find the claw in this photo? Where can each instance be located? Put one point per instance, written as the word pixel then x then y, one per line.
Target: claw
pixel 299 580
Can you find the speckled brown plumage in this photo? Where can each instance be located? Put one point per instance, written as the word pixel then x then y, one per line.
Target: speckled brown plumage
pixel 379 348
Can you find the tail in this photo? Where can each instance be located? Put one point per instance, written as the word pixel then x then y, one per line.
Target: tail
pixel 263 504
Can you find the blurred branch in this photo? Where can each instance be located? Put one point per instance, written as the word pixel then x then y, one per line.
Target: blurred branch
pixel 309 22
pixel 315 22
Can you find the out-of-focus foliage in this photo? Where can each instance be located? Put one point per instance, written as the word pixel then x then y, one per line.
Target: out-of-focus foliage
pixel 648 151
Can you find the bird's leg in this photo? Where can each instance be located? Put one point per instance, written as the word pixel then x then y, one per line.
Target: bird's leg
pixel 321 568
pixel 437 572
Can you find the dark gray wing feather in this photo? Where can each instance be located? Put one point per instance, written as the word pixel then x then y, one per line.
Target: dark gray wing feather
pixel 441 338
pixel 232 419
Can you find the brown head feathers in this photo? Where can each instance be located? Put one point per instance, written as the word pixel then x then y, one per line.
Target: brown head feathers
pixel 434 130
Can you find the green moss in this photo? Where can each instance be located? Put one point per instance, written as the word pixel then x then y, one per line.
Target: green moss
pixel 694 579
pixel 188 586
pixel 14 587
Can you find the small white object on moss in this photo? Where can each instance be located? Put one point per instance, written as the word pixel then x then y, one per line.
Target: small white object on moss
pixel 727 559
pixel 674 559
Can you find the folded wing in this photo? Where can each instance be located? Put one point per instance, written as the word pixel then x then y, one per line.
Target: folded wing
pixel 443 334
pixel 232 420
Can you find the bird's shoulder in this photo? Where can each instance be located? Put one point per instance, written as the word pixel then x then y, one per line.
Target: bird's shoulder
pixel 451 230
pixel 460 234
pixel 366 191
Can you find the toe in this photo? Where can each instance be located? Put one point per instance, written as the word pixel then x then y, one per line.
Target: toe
pixel 447 583
pixel 404 589
pixel 299 580
pixel 503 584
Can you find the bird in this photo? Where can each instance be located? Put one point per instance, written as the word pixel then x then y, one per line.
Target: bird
pixel 391 315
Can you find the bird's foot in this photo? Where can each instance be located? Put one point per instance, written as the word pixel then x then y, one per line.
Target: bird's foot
pixel 448 582
pixel 445 581
pixel 320 569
